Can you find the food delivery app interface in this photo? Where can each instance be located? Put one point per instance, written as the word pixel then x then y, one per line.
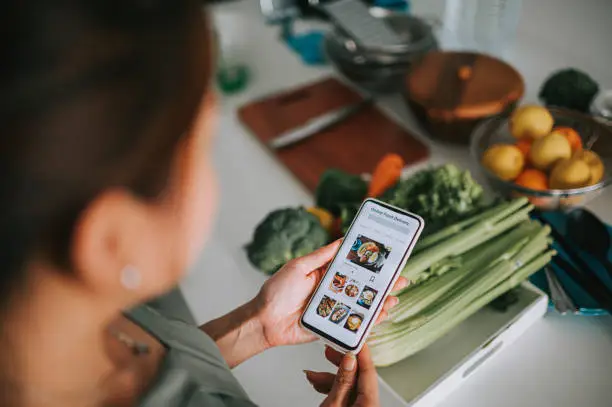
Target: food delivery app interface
pixel 361 272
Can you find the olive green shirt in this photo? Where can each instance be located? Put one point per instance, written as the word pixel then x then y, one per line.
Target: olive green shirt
pixel 193 372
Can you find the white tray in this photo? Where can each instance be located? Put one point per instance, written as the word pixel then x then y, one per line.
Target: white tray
pixel 429 376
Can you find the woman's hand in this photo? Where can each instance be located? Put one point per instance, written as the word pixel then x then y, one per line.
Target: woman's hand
pixel 283 297
pixel 272 317
pixel 355 384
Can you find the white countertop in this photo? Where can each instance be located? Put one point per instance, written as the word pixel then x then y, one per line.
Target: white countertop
pixel 561 361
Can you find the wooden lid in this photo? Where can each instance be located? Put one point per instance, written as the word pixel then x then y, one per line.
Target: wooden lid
pixel 463 85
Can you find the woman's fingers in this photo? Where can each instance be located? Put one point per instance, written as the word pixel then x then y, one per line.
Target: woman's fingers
pixel 390 302
pixel 400 284
pixel 318 258
pixel 367 385
pixel 333 356
pixel 344 381
pixel 322 382
pixel 382 317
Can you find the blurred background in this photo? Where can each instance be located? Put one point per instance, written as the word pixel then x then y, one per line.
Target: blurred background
pixel 511 98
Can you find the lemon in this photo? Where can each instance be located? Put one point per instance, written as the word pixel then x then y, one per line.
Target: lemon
pixel 594 162
pixel 531 121
pixel 546 151
pixel 504 160
pixel 569 174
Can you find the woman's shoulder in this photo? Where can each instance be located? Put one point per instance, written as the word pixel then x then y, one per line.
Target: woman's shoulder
pixel 194 372
pixel 179 388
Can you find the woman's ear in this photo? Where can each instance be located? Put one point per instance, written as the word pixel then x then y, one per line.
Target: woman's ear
pixel 124 245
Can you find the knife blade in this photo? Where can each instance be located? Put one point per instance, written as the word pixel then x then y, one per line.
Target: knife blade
pixel 317 125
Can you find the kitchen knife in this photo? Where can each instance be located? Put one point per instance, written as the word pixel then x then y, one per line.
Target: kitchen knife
pixel 317 125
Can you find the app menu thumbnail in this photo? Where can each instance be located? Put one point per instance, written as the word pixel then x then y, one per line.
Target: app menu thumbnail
pixel 368 253
pixel 367 297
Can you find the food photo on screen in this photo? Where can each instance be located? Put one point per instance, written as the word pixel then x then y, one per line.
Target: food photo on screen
pixel 354 321
pixel 367 297
pixel 352 288
pixel 368 253
pixel 325 306
pixel 339 313
pixel 338 282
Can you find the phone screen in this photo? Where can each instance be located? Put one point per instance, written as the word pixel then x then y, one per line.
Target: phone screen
pixel 360 275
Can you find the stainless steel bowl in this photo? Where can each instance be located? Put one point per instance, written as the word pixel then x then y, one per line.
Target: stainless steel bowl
pixel 416 34
pixel 381 69
pixel 594 134
pixel 374 78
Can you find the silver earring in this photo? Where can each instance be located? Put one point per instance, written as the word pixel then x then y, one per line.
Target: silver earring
pixel 130 277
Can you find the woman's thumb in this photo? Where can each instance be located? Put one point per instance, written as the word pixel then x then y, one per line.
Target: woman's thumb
pixel 345 379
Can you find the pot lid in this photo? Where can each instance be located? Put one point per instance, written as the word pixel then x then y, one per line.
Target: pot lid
pixel 463 85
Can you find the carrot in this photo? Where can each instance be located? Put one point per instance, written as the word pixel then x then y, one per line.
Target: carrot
pixel 386 174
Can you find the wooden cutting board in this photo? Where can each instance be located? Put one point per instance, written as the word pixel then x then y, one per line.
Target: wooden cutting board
pixel 354 145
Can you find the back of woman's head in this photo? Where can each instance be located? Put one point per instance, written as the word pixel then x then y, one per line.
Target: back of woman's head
pixel 93 94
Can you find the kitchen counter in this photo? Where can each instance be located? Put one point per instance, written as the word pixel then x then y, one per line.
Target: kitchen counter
pixel 561 361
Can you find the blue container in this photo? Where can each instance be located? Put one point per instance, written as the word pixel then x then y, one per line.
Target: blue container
pixel 586 304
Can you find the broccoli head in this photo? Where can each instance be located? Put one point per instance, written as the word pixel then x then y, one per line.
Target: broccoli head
pixel 569 88
pixel 284 235
pixel 441 195
pixel 337 189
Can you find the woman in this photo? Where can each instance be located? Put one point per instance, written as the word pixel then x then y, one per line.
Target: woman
pixel 106 196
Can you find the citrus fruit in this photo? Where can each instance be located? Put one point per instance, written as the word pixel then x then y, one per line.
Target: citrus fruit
pixel 594 162
pixel 525 146
pixel 569 174
pixel 531 121
pixel 546 151
pixel 504 160
pixel 571 135
pixel 532 179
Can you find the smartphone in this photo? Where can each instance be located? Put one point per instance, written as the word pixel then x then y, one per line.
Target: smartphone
pixel 350 295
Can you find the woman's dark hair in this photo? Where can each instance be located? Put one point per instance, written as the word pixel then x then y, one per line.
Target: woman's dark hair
pixel 94 94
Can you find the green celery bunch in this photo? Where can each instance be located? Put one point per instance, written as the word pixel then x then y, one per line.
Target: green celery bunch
pixel 492 253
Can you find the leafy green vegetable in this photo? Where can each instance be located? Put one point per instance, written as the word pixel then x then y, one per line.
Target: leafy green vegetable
pixel 337 189
pixel 284 235
pixel 347 214
pixel 441 195
pixel 569 88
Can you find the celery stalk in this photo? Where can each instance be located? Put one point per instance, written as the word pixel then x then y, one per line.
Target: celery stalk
pixel 453 229
pixel 470 238
pixel 415 298
pixel 387 353
pixel 521 255
pixel 498 270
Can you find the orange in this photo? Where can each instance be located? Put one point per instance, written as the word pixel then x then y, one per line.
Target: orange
pixel 525 146
pixel 537 180
pixel 532 179
pixel 571 135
